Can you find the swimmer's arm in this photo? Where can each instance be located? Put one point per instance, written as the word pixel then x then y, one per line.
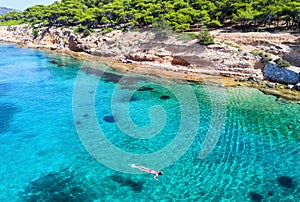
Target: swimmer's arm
pixel 155 177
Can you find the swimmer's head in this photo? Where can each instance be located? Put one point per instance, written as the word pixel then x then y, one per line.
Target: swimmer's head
pixel 159 172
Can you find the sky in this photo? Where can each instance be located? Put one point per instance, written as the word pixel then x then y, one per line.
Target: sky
pixel 23 4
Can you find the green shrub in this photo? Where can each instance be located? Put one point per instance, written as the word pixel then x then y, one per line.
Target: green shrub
pixel 161 29
pixel 78 29
pixel 45 22
pixel 10 22
pixel 161 35
pixel 161 24
pixel 232 45
pixel 86 32
pixel 205 38
pixel 267 57
pixel 106 30
pixel 215 23
pixel 135 29
pixel 264 57
pixel 282 63
pixel 181 27
pixel 35 33
pixel 82 29
pixel 254 52
pixel 185 36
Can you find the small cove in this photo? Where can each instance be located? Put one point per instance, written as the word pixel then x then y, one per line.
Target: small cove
pixel 43 158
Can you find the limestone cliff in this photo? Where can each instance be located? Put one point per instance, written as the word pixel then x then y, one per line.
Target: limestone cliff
pixel 229 56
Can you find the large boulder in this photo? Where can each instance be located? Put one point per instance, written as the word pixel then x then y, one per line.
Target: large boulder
pixel 273 72
pixel 294 55
pixel 178 60
pixel 74 44
pixel 80 46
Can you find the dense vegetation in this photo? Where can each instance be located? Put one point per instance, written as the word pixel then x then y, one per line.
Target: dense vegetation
pixel 181 15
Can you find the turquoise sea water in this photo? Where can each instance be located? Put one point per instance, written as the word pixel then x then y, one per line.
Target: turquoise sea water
pixel 43 120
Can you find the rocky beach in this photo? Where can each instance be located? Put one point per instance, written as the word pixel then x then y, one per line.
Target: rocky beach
pixel 236 58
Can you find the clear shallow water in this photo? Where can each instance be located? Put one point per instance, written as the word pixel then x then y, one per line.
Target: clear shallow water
pixel 43 159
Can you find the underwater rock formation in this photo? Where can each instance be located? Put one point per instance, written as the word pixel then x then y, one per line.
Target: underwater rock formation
pixel 255 196
pixel 145 89
pixel 58 186
pixel 109 119
pixel 164 97
pixel 285 181
pixel 136 186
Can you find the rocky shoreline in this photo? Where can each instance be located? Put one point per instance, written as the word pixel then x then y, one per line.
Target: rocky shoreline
pixel 228 62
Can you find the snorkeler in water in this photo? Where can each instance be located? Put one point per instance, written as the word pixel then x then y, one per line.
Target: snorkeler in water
pixel 148 170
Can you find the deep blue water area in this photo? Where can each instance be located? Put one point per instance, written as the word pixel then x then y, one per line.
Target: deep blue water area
pixel 54 111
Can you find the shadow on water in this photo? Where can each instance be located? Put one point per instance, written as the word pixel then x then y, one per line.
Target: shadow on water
pixel 7 113
pixel 123 181
pixel 7 110
pixel 4 88
pixel 106 76
pixel 57 62
pixel 287 187
pixel 65 68
pixel 58 186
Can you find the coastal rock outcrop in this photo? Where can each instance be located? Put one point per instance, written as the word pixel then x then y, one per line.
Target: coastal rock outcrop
pixel 140 48
pixel 294 55
pixel 16 34
pixel 170 52
pixel 75 45
pixel 178 60
pixel 273 72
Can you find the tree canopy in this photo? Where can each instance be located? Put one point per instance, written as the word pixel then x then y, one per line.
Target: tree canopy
pixel 180 15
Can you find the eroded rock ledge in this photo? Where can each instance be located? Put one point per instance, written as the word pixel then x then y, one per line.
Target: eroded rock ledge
pixel 229 56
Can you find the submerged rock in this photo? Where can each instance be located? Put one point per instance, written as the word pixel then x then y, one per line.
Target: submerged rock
pixel 109 119
pixel 145 89
pixel 132 99
pixel 90 70
pixel 164 97
pixel 255 196
pixel 135 186
pixel 112 77
pixel 58 186
pixel 8 110
pixel 285 181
